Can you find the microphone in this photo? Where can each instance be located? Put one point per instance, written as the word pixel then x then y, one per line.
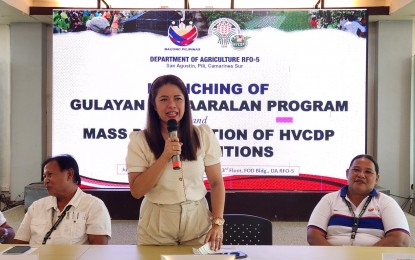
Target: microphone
pixel 172 129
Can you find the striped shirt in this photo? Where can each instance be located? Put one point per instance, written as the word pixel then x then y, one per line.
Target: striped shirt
pixel 333 217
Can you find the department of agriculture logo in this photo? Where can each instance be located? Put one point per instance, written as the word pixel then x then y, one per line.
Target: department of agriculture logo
pixel 182 34
pixel 228 32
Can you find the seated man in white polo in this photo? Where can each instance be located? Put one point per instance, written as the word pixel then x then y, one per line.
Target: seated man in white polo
pixel 68 215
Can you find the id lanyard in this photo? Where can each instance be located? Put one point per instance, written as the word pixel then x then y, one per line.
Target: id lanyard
pixel 54 226
pixel 356 219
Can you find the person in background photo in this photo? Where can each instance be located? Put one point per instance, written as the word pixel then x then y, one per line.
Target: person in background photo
pixel 99 24
pixel 174 210
pixel 352 25
pixel 313 21
pixel 357 214
pixel 68 215
pixel 342 21
pixel 6 231
pixel 115 21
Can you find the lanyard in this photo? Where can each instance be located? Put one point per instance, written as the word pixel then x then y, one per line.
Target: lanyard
pixel 356 219
pixel 54 226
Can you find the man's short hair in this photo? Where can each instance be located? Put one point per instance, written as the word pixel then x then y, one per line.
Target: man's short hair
pixel 65 162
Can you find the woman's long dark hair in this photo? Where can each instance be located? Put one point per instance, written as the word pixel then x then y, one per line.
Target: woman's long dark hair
pixel 186 131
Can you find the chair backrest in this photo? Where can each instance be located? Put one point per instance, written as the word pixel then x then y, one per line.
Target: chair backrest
pixel 242 229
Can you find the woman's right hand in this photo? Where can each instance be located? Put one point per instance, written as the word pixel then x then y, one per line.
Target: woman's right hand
pixel 172 147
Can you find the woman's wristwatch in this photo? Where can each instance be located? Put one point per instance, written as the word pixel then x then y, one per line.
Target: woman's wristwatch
pixel 3 238
pixel 218 221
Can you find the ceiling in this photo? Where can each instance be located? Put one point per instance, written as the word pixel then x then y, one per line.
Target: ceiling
pixel 399 10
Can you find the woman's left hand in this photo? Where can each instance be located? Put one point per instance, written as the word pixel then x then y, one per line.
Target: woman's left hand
pixel 215 237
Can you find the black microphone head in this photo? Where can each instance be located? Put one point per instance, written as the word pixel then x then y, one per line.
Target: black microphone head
pixel 171 125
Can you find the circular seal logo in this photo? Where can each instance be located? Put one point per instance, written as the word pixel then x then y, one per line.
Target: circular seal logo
pixel 182 34
pixel 224 29
pixel 228 32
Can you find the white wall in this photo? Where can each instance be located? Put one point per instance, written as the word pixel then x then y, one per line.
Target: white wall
pixel 413 38
pixel 393 112
pixel 28 84
pixel 5 108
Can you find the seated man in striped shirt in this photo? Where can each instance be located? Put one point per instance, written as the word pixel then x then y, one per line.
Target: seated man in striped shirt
pixel 357 214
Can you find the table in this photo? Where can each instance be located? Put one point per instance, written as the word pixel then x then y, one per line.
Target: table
pixel 126 252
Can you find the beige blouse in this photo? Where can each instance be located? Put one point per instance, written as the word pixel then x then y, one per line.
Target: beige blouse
pixel 175 186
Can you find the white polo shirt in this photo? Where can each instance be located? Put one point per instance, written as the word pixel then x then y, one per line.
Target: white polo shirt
pixel 175 186
pixel 2 218
pixel 382 215
pixel 88 215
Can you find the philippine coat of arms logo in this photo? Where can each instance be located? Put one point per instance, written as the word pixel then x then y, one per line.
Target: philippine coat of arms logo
pixel 182 34
pixel 228 32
